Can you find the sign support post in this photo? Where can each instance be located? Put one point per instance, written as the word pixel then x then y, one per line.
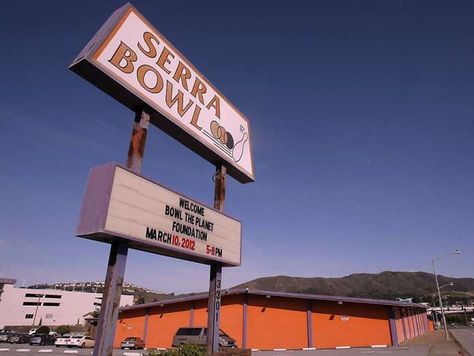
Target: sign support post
pixel 214 302
pixel 109 309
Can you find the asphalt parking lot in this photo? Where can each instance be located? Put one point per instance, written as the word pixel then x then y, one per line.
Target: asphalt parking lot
pixel 7 349
pixel 13 349
pixel 421 346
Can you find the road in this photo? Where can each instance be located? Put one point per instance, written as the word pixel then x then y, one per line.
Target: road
pixel 25 349
pixel 465 337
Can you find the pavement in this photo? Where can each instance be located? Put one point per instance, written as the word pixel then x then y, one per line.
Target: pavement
pixel 465 337
pixel 431 344
pixel 438 345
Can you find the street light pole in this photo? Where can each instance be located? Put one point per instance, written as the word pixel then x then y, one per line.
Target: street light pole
pixel 457 252
pixel 434 304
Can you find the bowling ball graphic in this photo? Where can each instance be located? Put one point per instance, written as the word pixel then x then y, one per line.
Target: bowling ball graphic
pixel 221 134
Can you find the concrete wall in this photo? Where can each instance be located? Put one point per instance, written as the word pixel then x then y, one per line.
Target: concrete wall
pixel 15 306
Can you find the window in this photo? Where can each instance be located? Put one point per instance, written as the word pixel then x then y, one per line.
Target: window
pixel 53 296
pixel 31 295
pixel 189 331
pixel 29 316
pixel 51 304
pixel 31 303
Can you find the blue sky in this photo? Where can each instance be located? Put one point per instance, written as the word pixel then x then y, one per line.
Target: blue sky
pixel 362 118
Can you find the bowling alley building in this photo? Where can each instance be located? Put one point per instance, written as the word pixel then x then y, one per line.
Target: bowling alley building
pixel 277 320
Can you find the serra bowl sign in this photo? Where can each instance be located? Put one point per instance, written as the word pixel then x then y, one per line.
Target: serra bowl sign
pixel 130 60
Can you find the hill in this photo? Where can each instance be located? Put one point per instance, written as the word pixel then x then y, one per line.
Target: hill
pixel 385 285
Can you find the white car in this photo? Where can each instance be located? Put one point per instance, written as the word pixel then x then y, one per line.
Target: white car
pixel 80 341
pixel 62 340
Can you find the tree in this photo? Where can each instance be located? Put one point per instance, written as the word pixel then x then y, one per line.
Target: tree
pixel 63 329
pixel 43 330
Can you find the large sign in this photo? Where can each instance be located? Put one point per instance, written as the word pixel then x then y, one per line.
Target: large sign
pixel 130 60
pixel 121 204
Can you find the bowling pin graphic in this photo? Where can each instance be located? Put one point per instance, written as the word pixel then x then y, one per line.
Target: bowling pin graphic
pixel 238 151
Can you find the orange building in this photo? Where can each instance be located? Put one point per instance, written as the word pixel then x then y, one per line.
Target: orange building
pixel 275 320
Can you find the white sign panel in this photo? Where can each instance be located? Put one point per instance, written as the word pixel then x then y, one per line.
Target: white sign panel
pixel 132 61
pixel 120 203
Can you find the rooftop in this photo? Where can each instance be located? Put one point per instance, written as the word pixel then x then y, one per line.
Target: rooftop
pixel 225 292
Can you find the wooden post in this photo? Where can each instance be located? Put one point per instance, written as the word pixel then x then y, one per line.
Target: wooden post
pixel 309 323
pixel 109 309
pixel 215 278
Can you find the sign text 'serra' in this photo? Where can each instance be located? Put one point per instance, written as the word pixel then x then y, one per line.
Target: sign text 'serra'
pixel 121 204
pixel 133 62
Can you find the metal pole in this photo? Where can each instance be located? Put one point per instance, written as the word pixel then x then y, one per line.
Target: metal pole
pixel 440 301
pixel 465 314
pixel 36 310
pixel 215 278
pixel 118 253
pixel 435 317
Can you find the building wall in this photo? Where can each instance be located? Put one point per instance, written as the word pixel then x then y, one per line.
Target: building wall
pixel 132 323
pixel 163 321
pixel 278 322
pixel 349 324
pixel 18 306
pixel 401 332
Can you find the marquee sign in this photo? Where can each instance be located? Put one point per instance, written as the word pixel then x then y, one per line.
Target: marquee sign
pixel 121 204
pixel 130 60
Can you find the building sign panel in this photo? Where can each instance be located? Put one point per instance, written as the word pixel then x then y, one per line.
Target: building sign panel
pixel 121 204
pixel 130 60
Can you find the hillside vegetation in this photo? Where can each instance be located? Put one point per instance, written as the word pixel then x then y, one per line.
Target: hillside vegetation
pixel 385 285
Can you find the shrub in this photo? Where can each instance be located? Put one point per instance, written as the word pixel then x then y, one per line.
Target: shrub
pixel 183 350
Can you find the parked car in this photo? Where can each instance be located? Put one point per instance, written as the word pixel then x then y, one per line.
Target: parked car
pixel 132 343
pixel 80 341
pixel 4 334
pixel 42 339
pixel 32 331
pixel 19 338
pixel 62 340
pixel 198 336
